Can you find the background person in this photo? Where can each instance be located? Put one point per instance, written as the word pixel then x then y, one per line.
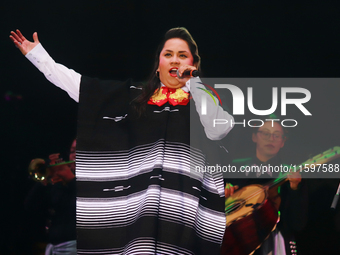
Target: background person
pixel 270 139
pixel 56 200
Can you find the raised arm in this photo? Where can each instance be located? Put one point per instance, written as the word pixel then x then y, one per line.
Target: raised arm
pixel 59 75
pixel 22 43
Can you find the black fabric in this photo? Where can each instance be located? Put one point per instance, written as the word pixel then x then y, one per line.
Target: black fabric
pixel 155 151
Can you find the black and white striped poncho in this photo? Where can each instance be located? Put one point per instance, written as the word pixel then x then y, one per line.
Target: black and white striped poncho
pixel 136 193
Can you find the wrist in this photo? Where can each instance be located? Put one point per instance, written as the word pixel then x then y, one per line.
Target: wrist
pixel 294 186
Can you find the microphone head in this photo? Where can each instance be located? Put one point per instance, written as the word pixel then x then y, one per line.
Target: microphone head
pixel 180 77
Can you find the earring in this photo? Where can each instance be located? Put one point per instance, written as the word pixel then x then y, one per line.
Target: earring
pixel 157 74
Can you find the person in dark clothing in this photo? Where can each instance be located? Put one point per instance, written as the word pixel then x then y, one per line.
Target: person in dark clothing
pixel 136 188
pixel 55 197
pixel 269 139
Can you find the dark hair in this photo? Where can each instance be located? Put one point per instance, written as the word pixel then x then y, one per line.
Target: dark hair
pixel 154 82
pixel 268 118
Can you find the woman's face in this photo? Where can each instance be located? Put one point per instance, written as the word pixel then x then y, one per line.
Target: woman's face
pixel 269 139
pixel 174 54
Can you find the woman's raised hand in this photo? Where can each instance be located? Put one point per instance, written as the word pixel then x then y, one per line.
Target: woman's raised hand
pixel 22 43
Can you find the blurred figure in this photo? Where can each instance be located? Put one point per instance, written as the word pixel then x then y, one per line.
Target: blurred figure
pixel 269 139
pixel 55 197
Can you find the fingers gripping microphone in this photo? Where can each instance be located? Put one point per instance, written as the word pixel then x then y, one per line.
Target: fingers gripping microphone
pixel 188 74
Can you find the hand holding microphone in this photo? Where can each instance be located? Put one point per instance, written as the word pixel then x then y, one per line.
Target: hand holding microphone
pixel 187 72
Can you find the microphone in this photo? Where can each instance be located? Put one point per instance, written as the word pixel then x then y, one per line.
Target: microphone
pixel 188 74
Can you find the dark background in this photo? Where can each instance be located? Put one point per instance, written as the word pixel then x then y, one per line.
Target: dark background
pixel 117 40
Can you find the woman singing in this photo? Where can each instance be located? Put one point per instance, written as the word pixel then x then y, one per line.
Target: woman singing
pixel 138 187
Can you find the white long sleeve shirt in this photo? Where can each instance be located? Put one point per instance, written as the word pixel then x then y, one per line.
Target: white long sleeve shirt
pixel 69 80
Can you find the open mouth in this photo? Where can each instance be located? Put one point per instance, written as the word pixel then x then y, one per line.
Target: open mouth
pixel 173 72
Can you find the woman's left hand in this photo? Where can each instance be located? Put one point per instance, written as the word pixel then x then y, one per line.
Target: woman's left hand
pixel 183 68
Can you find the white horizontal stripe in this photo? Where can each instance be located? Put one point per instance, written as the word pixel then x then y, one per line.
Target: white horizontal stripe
pixel 172 157
pixel 169 205
pixel 140 246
